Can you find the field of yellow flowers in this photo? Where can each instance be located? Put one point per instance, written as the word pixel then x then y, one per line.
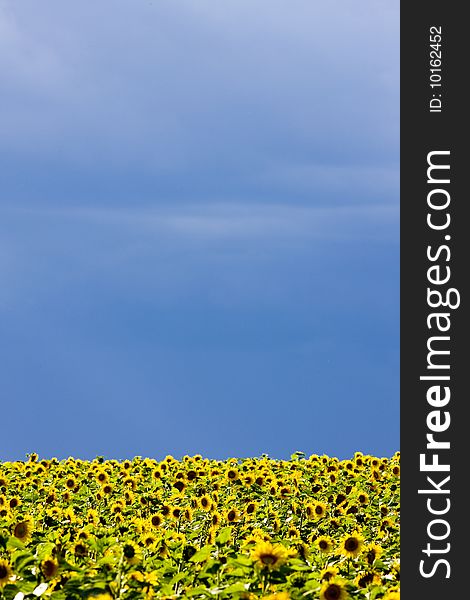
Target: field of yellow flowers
pixel 310 527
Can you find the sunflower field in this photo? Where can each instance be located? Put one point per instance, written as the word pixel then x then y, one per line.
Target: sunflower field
pixel 309 527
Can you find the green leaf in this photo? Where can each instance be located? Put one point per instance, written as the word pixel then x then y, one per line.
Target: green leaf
pixel 197 591
pixel 224 535
pixel 178 577
pixel 45 549
pixel 13 543
pixel 236 587
pixel 202 554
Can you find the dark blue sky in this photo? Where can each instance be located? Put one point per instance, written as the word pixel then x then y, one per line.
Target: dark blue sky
pixel 199 228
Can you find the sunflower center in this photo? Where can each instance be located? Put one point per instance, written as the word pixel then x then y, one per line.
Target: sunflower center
pixel 333 592
pixel 351 544
pixel 21 530
pixel 3 572
pixel 129 551
pixel 49 568
pixel 365 579
pixel 268 559
pixel 323 545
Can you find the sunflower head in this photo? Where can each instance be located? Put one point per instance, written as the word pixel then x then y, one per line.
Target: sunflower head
pixel 80 549
pixel 351 545
pixel 205 502
pixel 372 552
pixel 49 567
pixel 334 589
pixel 324 544
pixel 269 556
pixel 149 540
pixel 367 578
pixel 392 595
pixel 156 520
pixel 5 572
pixel 23 530
pixel 131 552
pixel 232 515
pixel 328 573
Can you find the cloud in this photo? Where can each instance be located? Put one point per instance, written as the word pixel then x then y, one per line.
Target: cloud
pixel 199 87
pixel 233 222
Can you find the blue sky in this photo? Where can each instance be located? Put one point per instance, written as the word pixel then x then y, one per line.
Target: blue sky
pixel 199 228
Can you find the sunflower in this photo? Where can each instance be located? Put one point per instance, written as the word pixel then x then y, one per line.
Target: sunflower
pixel 102 477
pixel 367 578
pixel 232 515
pixel 5 572
pixel 175 512
pixel 324 544
pixel 117 507
pixel 82 534
pixel 392 595
pixel 310 511
pixel 250 508
pixel 363 498
pixel 156 520
pixel 157 474
pixel 71 483
pixel 131 552
pixel 80 549
pixel 334 589
pixel 107 489
pixel 149 540
pixel 267 555
pixel 372 551
pixel 205 503
pixel 188 514
pixel 92 516
pixel 179 485
pixel 129 497
pixel 131 483
pixel 23 530
pixel 328 573
pixel 396 569
pixel 293 532
pixel 14 502
pixel 351 545
pixel 49 567
pixel 248 480
pixel 319 510
pixel 232 475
